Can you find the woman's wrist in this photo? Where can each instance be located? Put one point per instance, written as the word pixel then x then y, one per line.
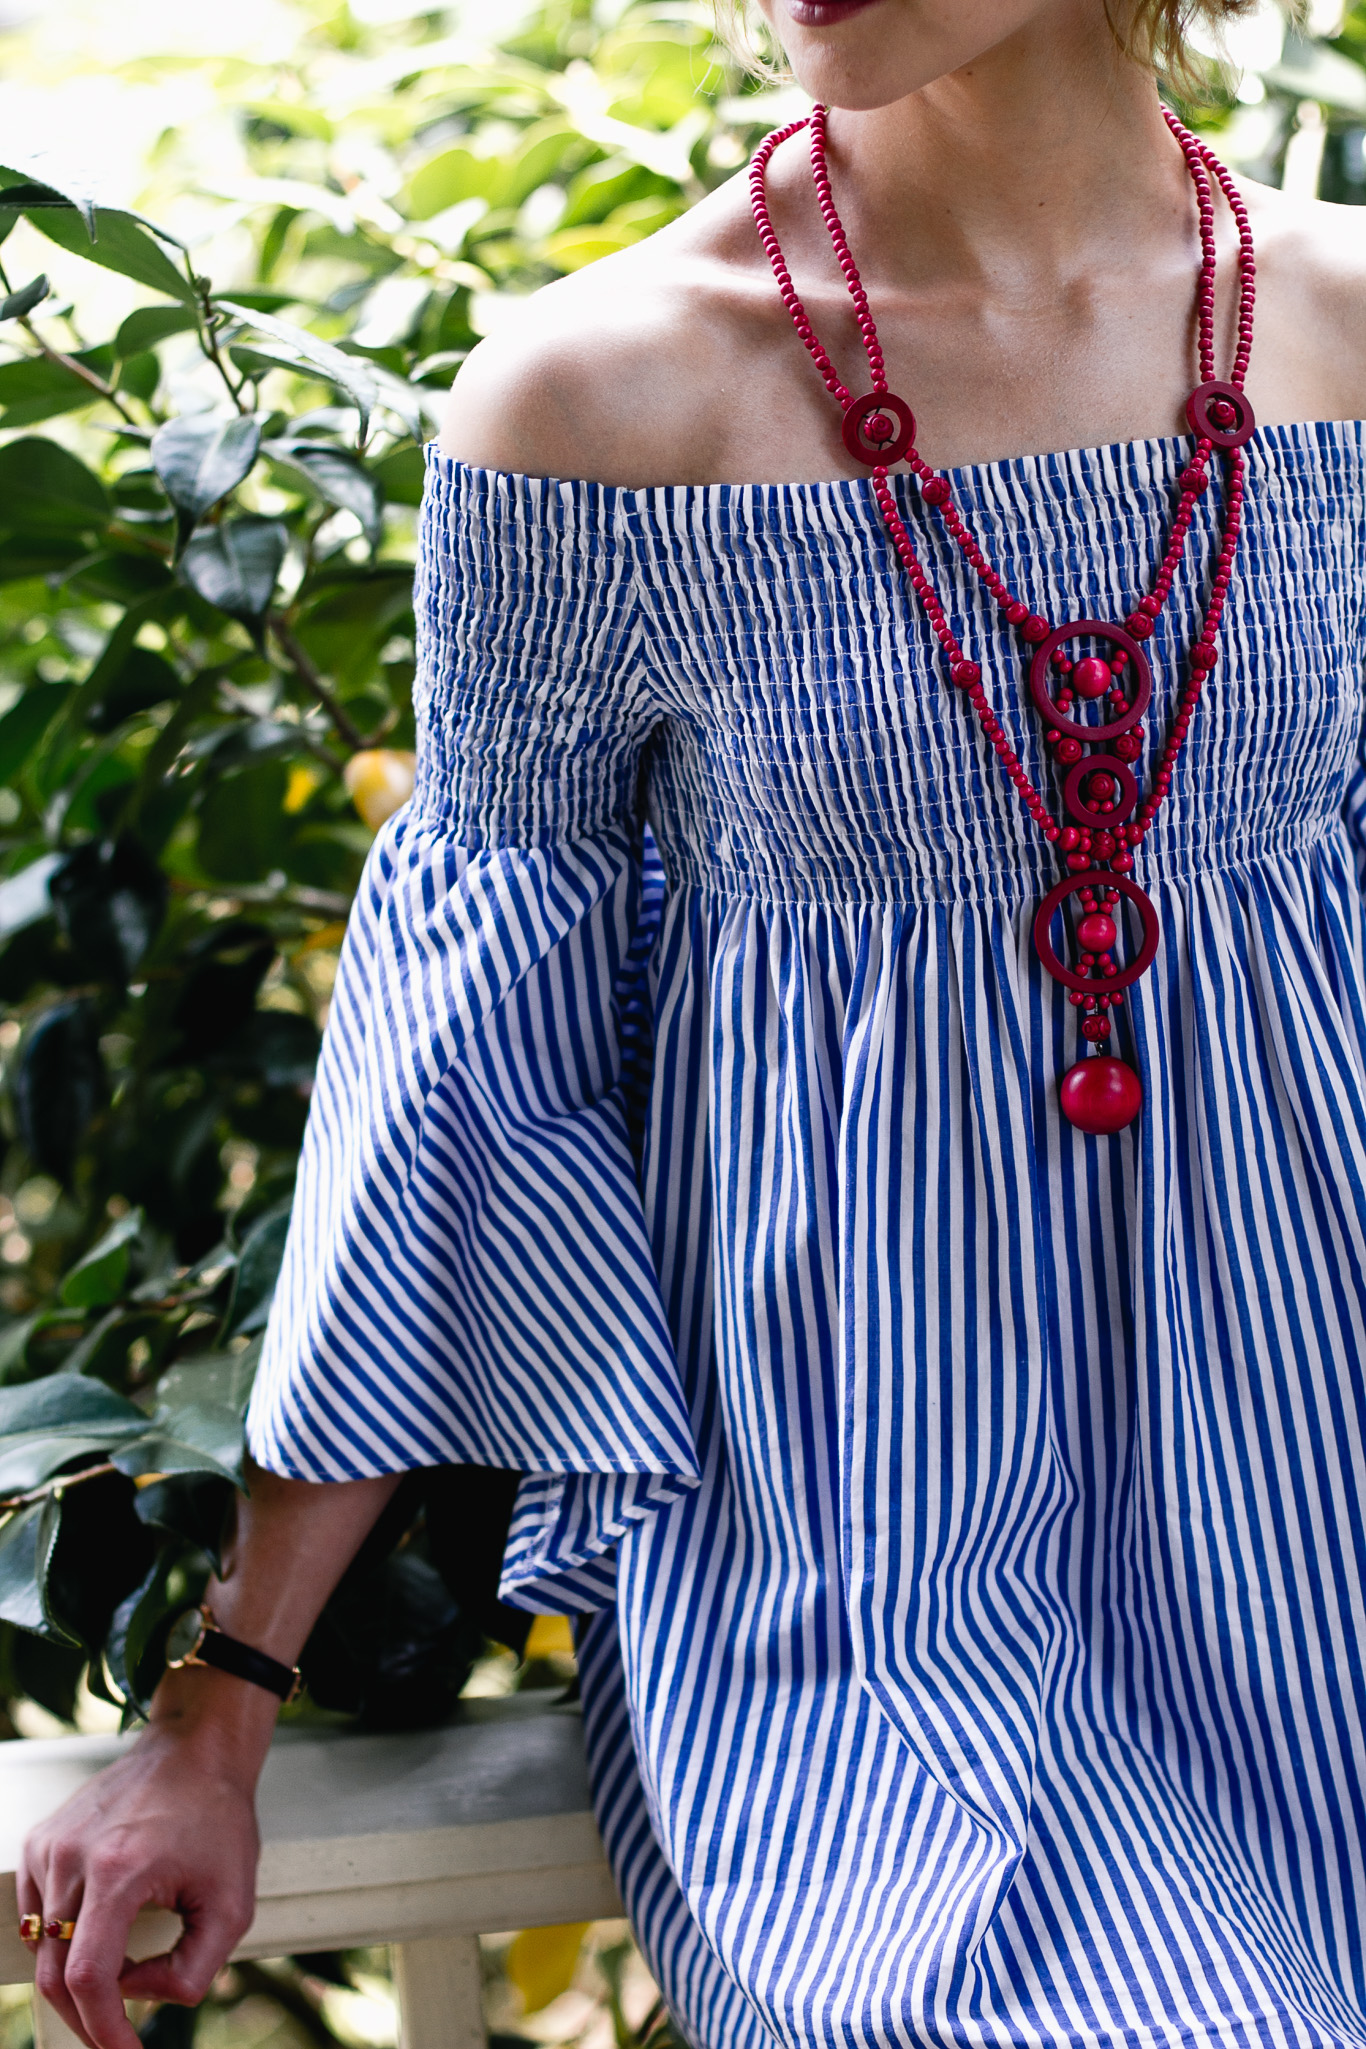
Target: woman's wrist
pixel 226 1720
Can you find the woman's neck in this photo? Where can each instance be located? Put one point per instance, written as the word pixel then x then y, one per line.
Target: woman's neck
pixel 1042 157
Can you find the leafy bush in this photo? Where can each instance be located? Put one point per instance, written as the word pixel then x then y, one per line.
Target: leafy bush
pixel 206 538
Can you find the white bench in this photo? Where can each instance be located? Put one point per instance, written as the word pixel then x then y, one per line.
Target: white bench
pixel 424 1841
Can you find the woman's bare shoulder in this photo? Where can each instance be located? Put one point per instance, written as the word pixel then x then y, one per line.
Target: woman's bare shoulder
pixel 1311 301
pixel 613 373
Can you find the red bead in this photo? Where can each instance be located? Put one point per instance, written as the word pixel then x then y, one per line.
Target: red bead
pixel 935 491
pixel 1103 845
pixel 1016 612
pixel 1034 629
pixel 1123 861
pixel 1078 861
pixel 1101 787
pixel 1096 932
pixel 1204 655
pixel 1095 1028
pixel 1091 678
pixel 965 674
pixel 1128 746
pixel 1139 625
pixel 1101 1094
pixel 1152 606
pixel 1069 750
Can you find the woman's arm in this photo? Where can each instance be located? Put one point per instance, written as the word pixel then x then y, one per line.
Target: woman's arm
pixel 173 1824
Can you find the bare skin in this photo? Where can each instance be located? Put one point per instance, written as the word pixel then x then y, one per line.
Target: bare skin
pixel 1026 214
pixel 1026 231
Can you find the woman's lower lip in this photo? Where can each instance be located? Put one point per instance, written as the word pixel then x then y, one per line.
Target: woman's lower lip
pixel 824 13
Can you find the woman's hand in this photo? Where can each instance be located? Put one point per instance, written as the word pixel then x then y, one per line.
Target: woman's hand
pixel 172 1824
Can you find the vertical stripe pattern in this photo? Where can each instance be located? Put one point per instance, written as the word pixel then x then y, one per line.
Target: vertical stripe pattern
pixel 970 1514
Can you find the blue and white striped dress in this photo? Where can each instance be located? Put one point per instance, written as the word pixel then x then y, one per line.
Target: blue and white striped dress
pixel 972 1512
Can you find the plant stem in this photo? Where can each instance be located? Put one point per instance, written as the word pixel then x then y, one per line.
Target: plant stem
pixel 81 370
pixel 304 667
pixel 56 1485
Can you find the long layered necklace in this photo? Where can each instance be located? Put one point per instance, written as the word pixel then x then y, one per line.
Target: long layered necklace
pixel 1079 664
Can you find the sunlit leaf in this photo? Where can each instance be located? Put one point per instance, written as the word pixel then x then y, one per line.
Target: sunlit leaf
pixel 338 478
pixel 350 373
pixel 150 325
pixel 121 244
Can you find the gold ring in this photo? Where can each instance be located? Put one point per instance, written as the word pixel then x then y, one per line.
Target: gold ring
pixel 60 1931
pixel 30 1927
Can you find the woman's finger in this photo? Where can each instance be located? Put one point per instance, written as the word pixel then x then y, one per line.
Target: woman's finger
pixel 85 1982
pixel 185 1973
pixel 58 1902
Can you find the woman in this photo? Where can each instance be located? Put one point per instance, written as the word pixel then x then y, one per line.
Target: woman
pixel 963 1479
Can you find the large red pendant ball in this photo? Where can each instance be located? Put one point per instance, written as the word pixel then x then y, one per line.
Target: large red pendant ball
pixel 1101 1094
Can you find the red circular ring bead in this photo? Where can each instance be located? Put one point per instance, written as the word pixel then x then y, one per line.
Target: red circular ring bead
pixel 1136 667
pixel 1124 801
pixel 1096 880
pixel 859 416
pixel 1199 413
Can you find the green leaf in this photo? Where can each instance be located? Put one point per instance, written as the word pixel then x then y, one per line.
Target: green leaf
pixel 64 1403
pixel 31 1457
pixel 15 304
pixel 44 487
pixel 338 478
pixel 201 457
pixel 215 1380
pixel 351 373
pixel 109 897
pixel 257 1272
pixel 21 1601
pixel 158 1451
pixel 402 476
pixel 150 325
pixel 59 1085
pixel 136 1643
pixel 69 183
pixel 143 679
pixel 35 388
pixel 445 180
pixel 234 566
pixel 121 244
pixel 100 1277
pixel 24 727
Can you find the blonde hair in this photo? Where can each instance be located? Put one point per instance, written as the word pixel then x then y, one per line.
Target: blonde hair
pixel 1151 31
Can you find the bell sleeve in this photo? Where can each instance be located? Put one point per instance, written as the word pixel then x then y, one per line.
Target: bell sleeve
pixel 467 1277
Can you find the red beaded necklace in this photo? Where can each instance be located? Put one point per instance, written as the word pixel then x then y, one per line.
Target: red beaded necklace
pixel 1100 791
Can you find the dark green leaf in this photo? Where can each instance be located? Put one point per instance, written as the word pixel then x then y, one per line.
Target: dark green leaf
pixel 44 487
pixel 282 1048
pixel 190 1505
pixel 21 1601
pixel 234 566
pixel 110 899
pixel 136 1643
pixel 59 1085
pixel 100 1277
pixel 66 1404
pixel 201 457
pixel 25 724
pixel 35 388
pixel 223 971
pixel 257 1272
pixel 121 244
pixel 99 1552
pixel 150 325
pixel 159 1452
pixel 145 678
pixel 15 304
pixel 243 824
pixel 338 478
pixel 47 1672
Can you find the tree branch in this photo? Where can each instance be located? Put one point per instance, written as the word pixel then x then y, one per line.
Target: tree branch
pixel 77 369
pixel 304 667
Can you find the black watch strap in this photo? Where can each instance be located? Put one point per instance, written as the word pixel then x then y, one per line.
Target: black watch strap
pixel 228 1655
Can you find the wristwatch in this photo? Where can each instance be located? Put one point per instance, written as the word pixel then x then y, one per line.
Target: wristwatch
pixel 196 1639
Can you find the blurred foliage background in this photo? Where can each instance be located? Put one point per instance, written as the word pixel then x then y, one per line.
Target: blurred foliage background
pixel 243 251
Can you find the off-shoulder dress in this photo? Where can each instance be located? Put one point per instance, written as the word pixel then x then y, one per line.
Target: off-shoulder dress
pixel 970 1514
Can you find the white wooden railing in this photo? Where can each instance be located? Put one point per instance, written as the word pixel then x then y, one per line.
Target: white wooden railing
pixel 424 1841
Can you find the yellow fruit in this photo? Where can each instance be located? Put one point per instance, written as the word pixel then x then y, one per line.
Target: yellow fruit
pixel 542 1961
pixel 304 779
pixel 378 780
pixel 550 1637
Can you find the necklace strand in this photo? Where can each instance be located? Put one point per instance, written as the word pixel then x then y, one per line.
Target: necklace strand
pixel 1100 1094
